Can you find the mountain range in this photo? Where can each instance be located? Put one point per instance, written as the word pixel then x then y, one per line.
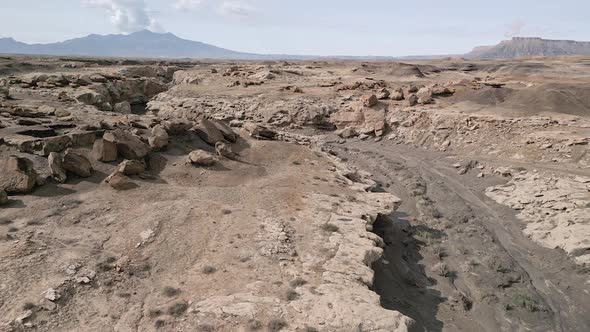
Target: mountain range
pixel 147 44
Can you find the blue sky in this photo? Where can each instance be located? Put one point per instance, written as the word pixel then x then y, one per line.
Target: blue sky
pixel 319 27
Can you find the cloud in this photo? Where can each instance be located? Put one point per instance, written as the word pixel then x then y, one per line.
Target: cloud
pixel 515 28
pixel 187 4
pixel 236 8
pixel 128 15
pixel 230 8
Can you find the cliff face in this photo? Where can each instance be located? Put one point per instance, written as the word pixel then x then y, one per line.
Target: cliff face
pixel 530 46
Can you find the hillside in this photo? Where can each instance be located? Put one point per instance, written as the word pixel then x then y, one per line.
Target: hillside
pixel 530 46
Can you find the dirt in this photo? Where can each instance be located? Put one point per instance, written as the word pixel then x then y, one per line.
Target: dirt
pixel 455 199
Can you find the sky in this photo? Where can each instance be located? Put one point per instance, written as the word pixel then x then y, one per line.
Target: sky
pixel 312 27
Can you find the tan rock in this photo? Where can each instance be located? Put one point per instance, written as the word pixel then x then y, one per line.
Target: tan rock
pixel 129 146
pixel 131 167
pixel 159 139
pixel 120 182
pixel 76 163
pixel 209 132
pixel 201 158
pixel 17 175
pixel 56 167
pixel 104 150
pixel 369 100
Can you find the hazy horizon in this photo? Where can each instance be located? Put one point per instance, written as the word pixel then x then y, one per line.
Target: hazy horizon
pixel 377 28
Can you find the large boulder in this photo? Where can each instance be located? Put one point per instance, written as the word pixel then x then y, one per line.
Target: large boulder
pixel 159 138
pixel 104 150
pixel 17 175
pixel 208 132
pixel 178 126
pixel 226 130
pixel 201 158
pixel 129 146
pixel 56 167
pixel 369 100
pixel 77 164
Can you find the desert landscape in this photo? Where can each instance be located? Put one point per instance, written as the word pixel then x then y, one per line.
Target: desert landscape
pixel 171 195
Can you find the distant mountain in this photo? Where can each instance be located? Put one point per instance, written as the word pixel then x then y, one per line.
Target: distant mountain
pixel 147 44
pixel 530 46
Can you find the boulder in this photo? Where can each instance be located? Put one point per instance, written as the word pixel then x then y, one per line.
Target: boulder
pixel 226 130
pixel 77 164
pixel 208 132
pixel 129 146
pixel 412 100
pixel 424 95
pixel 104 150
pixel 17 175
pixel 201 158
pixel 122 107
pixel 119 181
pixel 56 167
pixel 178 126
pixel 3 197
pixel 159 138
pixel 397 94
pixel 348 133
pixel 131 167
pixel 369 100
pixel 383 93
pixel 82 138
pixel 258 131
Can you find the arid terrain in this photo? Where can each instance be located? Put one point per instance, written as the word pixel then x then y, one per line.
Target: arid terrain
pixel 442 195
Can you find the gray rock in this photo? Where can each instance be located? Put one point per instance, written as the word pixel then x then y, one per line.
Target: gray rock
pixel 208 132
pixel 122 107
pixel 3 197
pixel 159 138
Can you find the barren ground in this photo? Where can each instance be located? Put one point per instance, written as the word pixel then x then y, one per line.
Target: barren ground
pixel 455 199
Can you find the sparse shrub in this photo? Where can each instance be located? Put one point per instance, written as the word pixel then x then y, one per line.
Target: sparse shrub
pixel 159 323
pixel 297 282
pixel 524 301
pixel 206 328
pixel 442 269
pixel 155 313
pixel 208 269
pixel 29 306
pixel 310 329
pixel 226 211
pixel 439 251
pixel 177 309
pixel 276 324
pixel 170 291
pixel 330 228
pixel 292 295
pixel 5 221
pixel 254 325
pixel 296 162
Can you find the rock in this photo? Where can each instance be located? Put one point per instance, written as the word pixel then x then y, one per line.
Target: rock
pixel 424 95
pixel 48 110
pixel 119 181
pixel 383 94
pixel 178 126
pixel 129 146
pixel 24 316
pixel 77 164
pixel 201 158
pixel 61 113
pixel 369 100
pixel 397 94
pixel 56 167
pixel 348 133
pixel 17 175
pixel 51 294
pixel 3 197
pixel 159 138
pixel 208 132
pixel 226 130
pixel 82 138
pixel 55 144
pixel 412 100
pixel 131 167
pixel 122 107
pixel 258 131
pixel 224 150
pixel 104 150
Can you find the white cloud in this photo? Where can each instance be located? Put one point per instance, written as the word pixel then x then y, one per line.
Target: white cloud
pixel 231 8
pixel 128 15
pixel 187 4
